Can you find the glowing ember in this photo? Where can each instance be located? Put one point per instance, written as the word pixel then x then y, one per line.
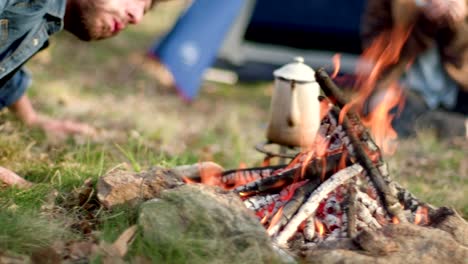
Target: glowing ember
pixel 242 194
pixel 395 220
pixel 320 228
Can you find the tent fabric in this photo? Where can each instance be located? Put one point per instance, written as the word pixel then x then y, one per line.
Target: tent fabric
pixel 332 25
pixel 193 43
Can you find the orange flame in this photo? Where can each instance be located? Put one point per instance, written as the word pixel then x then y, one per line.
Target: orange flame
pixel 336 65
pixel 308 158
pixel 383 53
pixel 319 227
pixel 320 149
pixel 325 106
pixel 321 146
pixel 395 220
pixel 380 121
pixel 421 217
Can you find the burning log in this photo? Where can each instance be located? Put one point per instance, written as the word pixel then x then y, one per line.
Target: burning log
pixel 387 195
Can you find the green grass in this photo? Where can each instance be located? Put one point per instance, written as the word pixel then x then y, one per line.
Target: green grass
pixel 111 85
pixel 433 170
pixel 22 235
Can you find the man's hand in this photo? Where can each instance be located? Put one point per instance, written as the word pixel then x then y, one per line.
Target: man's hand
pixel 62 128
pixel 58 128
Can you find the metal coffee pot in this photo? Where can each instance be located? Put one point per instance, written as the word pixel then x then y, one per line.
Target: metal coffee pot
pixel 295 108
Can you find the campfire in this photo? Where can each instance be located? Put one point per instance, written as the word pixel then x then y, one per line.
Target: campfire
pixel 338 193
pixel 333 201
pixel 331 192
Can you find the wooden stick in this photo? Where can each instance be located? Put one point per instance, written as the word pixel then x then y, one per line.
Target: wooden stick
pixel 365 199
pixel 258 202
pixel 310 206
pixel 391 201
pixel 330 88
pixel 260 185
pixel 291 207
pixel 364 214
pixel 314 169
pixel 351 211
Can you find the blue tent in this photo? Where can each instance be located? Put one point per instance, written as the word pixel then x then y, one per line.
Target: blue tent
pixel 308 24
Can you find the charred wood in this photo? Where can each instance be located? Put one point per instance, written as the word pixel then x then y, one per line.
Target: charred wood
pixel 329 87
pixel 231 177
pixel 314 169
pixel 391 201
pixel 312 203
pixel 294 204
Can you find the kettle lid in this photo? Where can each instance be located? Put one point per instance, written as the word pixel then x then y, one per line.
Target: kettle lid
pixel 297 71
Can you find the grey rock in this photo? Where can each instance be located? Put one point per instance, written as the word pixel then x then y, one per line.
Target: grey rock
pixel 205 225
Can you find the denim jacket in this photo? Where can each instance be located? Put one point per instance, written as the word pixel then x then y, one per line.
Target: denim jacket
pixel 25 27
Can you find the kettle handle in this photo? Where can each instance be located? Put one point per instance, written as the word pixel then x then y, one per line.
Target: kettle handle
pixel 294 111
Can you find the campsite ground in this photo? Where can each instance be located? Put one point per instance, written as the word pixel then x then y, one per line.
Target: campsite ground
pixel 112 85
